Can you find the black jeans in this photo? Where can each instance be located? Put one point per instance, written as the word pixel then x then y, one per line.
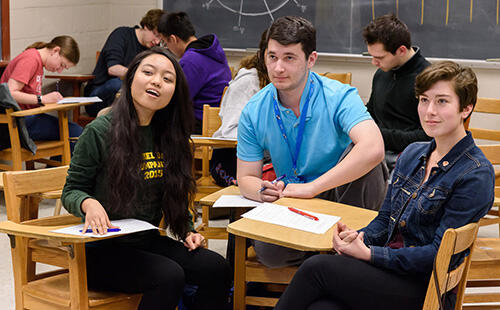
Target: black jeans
pixel 338 282
pixel 159 267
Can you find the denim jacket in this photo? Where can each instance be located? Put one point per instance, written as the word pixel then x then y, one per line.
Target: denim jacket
pixel 459 191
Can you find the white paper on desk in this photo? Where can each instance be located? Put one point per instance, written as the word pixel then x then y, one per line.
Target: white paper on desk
pixel 79 100
pixel 280 215
pixel 213 138
pixel 127 226
pixel 235 201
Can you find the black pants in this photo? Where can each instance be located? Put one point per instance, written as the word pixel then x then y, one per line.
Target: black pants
pixel 338 282
pixel 159 267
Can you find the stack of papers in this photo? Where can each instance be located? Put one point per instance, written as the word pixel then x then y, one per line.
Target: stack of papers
pixel 79 100
pixel 234 201
pixel 281 215
pixel 126 226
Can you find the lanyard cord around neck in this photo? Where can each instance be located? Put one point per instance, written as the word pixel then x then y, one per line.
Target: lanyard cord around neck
pixel 302 123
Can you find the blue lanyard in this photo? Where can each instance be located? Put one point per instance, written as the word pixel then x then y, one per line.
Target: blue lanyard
pixel 300 133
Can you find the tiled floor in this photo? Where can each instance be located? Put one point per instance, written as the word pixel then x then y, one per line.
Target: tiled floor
pixel 47 207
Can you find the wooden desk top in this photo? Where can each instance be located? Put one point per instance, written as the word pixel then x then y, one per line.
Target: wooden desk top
pixel 49 108
pixel 354 217
pixel 207 141
pixel 43 232
pixel 71 77
pixel 209 200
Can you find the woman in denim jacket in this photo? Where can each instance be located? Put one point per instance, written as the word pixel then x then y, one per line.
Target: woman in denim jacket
pixel 441 184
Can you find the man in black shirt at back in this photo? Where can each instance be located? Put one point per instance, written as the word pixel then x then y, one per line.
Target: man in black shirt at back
pixel 120 48
pixel 393 104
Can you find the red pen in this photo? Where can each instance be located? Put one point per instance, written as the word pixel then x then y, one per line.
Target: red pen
pixel 309 216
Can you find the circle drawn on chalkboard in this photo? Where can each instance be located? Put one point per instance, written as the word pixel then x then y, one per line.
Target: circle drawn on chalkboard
pixel 271 7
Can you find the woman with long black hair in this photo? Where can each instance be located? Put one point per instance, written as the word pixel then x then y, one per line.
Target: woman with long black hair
pixel 136 162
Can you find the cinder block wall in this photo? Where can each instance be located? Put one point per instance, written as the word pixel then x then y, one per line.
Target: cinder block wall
pixel 88 21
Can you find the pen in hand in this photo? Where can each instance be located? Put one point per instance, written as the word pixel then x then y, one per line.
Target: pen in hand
pixel 89 230
pixel 263 188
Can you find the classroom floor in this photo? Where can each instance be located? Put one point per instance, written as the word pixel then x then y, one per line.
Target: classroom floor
pixel 47 207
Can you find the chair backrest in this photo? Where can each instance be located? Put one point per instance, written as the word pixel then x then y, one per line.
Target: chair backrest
pixel 454 241
pixel 211 119
pixel 20 188
pixel 345 78
pixel 487 106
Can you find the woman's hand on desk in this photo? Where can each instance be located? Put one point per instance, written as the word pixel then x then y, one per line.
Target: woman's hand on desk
pixel 349 242
pixel 96 217
pixel 52 97
pixel 194 241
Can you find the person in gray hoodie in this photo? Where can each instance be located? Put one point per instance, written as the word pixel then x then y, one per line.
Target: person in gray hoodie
pixel 202 59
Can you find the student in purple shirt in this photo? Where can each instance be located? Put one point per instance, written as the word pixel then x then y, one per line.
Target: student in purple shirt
pixel 202 59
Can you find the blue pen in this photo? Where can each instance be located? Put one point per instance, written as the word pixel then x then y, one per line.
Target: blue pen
pixel 89 230
pixel 273 182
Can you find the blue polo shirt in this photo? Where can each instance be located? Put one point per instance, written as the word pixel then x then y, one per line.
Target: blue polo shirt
pixel 334 108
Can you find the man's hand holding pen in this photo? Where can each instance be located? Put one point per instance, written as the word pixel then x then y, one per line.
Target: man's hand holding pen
pixel 272 191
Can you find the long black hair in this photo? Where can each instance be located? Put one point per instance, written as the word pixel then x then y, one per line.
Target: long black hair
pixel 171 128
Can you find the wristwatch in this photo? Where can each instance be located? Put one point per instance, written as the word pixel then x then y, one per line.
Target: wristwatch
pixel 39 99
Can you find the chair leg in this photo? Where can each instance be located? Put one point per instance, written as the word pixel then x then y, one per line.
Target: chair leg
pixel 57 210
pixel 239 273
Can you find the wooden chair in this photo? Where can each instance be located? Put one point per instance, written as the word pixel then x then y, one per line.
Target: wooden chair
pixel 488 106
pixel 205 184
pixel 345 78
pixel 484 273
pixel 45 149
pixel 32 241
pixel 443 279
pixel 248 269
pixel 492 153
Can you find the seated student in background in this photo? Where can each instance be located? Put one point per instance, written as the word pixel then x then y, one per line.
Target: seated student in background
pixel 110 177
pixel 251 77
pixel 24 76
pixel 202 59
pixel 306 122
pixel 441 184
pixel 392 103
pixel 120 48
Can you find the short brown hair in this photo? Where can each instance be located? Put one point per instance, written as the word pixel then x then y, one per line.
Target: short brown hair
pixel 463 78
pixel 288 30
pixel 388 30
pixel 152 19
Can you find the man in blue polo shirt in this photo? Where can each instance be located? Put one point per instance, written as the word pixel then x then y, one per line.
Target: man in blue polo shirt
pixel 307 122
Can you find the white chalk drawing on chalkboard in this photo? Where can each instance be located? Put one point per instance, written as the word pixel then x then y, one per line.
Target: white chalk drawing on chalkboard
pixel 270 9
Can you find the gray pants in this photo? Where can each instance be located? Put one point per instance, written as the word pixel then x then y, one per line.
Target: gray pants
pixel 366 192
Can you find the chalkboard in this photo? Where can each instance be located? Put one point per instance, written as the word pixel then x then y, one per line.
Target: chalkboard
pixel 448 28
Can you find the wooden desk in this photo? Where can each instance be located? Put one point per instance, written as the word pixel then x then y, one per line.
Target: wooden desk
pixel 44 147
pixel 354 217
pixel 76 81
pixel 206 203
pixel 209 200
pixel 49 108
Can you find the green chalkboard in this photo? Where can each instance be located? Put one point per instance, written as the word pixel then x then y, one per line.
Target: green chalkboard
pixel 446 28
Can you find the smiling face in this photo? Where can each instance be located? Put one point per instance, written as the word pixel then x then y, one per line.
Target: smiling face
pixel 439 111
pixel 56 62
pixel 153 86
pixel 287 65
